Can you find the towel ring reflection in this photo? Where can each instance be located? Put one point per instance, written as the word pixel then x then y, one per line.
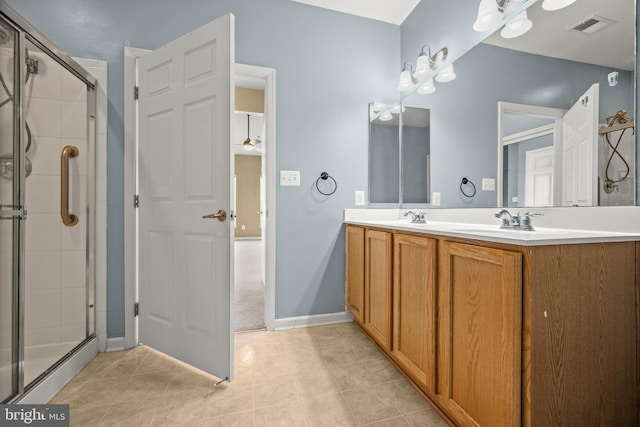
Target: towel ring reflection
pixel 466 181
pixel 325 176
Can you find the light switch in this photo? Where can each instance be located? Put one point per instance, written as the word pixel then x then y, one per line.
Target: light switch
pixel 359 198
pixel 290 178
pixel 435 200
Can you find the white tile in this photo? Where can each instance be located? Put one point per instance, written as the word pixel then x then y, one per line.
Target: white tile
pixel 48 82
pixel 74 119
pixel 41 336
pixel 74 269
pixel 73 306
pixel 73 89
pixel 74 238
pixel 42 195
pixel 42 270
pixel 74 333
pixel 44 154
pixel 42 309
pixel 42 232
pixel 45 117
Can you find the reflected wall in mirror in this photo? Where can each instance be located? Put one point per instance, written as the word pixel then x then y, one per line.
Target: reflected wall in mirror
pixel 548 67
pixel 399 162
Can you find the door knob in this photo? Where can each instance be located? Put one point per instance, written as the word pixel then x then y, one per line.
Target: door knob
pixel 221 215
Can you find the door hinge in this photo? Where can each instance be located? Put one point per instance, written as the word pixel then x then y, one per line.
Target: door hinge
pixel 136 92
pixel 136 201
pixel 136 309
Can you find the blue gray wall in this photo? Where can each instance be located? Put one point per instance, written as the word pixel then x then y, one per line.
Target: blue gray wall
pixel 384 163
pixel 464 112
pixel 329 67
pixel 415 152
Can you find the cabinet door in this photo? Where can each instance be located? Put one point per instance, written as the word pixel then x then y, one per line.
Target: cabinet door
pixel 378 286
pixel 355 272
pixel 480 334
pixel 414 304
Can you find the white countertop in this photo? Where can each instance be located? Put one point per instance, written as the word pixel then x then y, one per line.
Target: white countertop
pixel 492 233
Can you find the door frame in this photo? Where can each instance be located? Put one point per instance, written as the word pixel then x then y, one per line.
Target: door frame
pixel 268 75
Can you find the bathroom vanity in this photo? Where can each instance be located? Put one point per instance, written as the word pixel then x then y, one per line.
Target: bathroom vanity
pixel 497 328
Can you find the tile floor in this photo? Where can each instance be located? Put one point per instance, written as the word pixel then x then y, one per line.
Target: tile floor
pixel 321 376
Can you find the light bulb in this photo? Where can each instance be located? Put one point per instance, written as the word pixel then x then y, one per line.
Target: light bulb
pixel 446 75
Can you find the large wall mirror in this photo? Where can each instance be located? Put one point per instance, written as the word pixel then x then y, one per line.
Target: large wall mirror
pixel 399 155
pixel 527 113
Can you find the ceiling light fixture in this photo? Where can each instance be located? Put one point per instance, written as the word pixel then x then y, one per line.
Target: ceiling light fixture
pixel 556 4
pixel 248 144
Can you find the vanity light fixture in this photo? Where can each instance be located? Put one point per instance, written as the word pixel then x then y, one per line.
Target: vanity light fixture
pixel 378 106
pixel 494 13
pixel 386 116
pixel 406 79
pixel 427 63
pixel 517 26
pixel 426 88
pixel 556 4
pixel 446 75
pixel 395 108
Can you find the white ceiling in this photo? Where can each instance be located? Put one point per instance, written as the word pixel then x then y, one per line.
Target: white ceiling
pixel 613 46
pixel 391 11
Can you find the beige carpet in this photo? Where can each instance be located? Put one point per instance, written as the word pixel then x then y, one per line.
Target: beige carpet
pixel 249 288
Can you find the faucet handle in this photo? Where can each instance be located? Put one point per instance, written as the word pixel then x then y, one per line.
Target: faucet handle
pixel 526 221
pixel 533 214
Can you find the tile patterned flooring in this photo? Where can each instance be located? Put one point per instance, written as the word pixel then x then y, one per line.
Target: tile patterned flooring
pixel 322 376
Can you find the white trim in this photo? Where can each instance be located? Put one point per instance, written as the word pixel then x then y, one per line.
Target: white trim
pixel 314 320
pixel 116 344
pixel 528 134
pixel 48 387
pixel 268 75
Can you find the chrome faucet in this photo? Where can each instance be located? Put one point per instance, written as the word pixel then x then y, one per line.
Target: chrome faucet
pixel 515 221
pixel 416 218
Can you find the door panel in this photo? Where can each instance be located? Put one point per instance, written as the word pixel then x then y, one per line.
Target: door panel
pixel 580 151
pixel 185 265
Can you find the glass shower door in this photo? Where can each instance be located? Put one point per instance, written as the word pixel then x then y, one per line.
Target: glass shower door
pixel 9 213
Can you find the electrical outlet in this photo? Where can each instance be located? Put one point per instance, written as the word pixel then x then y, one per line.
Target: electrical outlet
pixel 435 199
pixel 488 184
pixel 290 178
pixel 359 198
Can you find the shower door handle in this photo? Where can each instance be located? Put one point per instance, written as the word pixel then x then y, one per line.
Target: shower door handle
pixel 67 152
pixel 221 215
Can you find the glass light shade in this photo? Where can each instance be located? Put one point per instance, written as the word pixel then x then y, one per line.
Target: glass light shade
pixel 427 88
pixel 556 4
pixel 395 109
pixel 446 75
pixel 406 81
pixel 517 26
pixel 423 65
pixel 379 106
pixel 247 144
pixel 386 116
pixel 439 57
pixel 489 16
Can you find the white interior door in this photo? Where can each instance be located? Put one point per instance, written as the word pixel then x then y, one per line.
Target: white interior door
pixel 580 151
pixel 538 177
pixel 184 171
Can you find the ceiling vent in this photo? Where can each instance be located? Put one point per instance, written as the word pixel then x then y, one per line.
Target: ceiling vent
pixel 592 24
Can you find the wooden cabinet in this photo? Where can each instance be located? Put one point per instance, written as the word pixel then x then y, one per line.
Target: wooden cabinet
pixel 480 329
pixel 354 297
pixel 378 286
pixel 414 308
pixel 496 334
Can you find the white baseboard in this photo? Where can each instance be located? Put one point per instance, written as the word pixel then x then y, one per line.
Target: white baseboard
pixel 115 344
pixel 48 387
pixel 314 320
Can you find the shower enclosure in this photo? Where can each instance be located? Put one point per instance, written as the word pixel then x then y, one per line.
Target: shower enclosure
pixel 47 220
